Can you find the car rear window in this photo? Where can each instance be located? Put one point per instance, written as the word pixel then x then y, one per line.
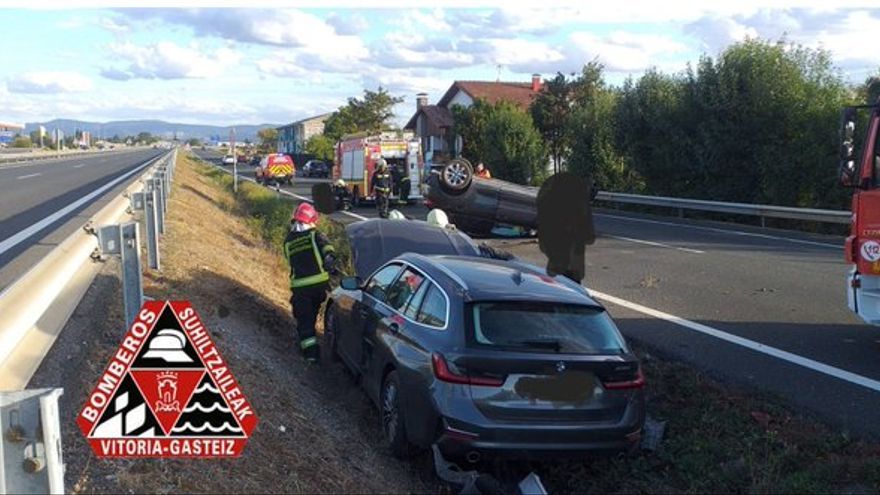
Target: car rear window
pixel 433 309
pixel 545 327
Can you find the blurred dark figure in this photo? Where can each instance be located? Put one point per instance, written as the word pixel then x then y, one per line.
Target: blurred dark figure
pixel 565 224
pixel 323 197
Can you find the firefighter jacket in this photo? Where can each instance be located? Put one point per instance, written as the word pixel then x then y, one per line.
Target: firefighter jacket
pixel 305 252
pixel 381 181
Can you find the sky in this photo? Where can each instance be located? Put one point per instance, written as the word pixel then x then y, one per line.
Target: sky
pixel 276 62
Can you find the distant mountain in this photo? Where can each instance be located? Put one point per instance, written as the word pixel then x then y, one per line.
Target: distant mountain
pixel 159 128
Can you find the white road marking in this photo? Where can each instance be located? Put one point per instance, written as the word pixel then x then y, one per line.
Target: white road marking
pixel 724 231
pixel 28 176
pixel 749 344
pixel 657 244
pixel 81 165
pixel 18 238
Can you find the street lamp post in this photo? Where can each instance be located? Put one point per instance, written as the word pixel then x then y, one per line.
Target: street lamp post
pixel 234 161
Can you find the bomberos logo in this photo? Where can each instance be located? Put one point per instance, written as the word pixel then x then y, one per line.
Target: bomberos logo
pixel 167 392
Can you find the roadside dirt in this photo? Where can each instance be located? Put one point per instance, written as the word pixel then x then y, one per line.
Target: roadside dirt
pixel 317 432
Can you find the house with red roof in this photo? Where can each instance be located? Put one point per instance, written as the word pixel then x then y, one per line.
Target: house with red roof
pixel 433 123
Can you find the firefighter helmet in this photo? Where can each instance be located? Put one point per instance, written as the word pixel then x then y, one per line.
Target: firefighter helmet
pixel 396 215
pixel 438 218
pixel 381 163
pixel 305 213
pixel 340 183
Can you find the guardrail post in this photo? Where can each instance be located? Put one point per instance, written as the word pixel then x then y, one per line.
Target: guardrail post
pixel 30 446
pixel 124 240
pixel 132 289
pixel 160 213
pixel 763 222
pixel 152 229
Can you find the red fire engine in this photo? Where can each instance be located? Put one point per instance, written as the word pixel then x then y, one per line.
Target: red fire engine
pixel 357 154
pixel 862 250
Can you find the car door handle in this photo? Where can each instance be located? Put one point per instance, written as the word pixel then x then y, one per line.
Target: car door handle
pixel 394 327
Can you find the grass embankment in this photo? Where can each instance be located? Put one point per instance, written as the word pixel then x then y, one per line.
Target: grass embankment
pixel 717 439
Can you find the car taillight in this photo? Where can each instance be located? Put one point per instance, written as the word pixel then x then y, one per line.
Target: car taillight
pixel 443 373
pixel 636 382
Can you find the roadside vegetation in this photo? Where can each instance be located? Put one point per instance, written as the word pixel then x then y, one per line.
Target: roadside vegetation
pixel 717 438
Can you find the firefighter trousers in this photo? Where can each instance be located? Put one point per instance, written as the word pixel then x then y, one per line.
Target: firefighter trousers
pixel 382 204
pixel 306 303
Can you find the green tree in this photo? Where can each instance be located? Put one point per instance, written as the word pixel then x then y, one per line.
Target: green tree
pixel 550 111
pixel 320 146
pixel 146 138
pixel 371 113
pixel 268 137
pixel 194 142
pixel 470 124
pixel 22 142
pixel 513 149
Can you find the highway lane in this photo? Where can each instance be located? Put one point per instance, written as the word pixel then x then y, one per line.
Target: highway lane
pixel 689 288
pixel 42 202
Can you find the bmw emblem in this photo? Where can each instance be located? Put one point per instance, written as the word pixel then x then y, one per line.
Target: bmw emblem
pixel 560 366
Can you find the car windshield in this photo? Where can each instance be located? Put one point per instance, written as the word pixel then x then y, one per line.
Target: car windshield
pixel 545 327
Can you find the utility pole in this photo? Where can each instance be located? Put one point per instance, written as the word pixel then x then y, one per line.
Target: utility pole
pixel 234 160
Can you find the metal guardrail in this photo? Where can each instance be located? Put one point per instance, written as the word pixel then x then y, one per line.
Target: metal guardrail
pixel 36 307
pixel 762 211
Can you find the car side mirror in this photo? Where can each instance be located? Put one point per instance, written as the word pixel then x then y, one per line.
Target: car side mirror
pixel 351 283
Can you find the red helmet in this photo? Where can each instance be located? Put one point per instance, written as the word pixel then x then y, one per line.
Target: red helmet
pixel 305 213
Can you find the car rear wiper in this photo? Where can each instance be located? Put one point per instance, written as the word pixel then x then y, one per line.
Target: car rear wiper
pixel 542 344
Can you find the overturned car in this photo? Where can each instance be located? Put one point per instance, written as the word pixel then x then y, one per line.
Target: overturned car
pixel 480 356
pixel 475 204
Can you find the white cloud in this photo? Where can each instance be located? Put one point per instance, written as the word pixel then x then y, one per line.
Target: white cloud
pixel 622 51
pixel 49 82
pixel 115 25
pixel 352 24
pixel 166 60
pixel 522 55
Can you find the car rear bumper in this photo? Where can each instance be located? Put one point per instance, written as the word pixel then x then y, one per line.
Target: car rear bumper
pixel 525 441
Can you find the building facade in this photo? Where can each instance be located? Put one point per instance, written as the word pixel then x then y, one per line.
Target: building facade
pixel 292 137
pixel 433 123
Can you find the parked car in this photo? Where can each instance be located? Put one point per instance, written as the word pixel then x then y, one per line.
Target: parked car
pixel 242 159
pixel 255 161
pixel 228 160
pixel 482 357
pixel 316 168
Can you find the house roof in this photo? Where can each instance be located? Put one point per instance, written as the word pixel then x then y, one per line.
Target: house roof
pixel 436 116
pixel 519 93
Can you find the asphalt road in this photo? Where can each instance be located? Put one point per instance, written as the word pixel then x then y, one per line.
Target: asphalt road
pixel 757 308
pixel 42 202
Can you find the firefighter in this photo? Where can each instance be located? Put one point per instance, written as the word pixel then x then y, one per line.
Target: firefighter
pixel 381 187
pixel 341 195
pixel 311 258
pixel 403 186
pixel 482 171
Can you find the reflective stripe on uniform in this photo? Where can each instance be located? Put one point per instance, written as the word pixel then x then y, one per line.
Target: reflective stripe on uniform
pixel 309 342
pixel 321 276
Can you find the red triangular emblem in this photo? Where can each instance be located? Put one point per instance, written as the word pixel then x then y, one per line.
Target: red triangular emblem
pixel 167 392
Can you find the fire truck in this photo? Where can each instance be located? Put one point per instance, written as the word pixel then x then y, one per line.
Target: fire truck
pixel 860 170
pixel 357 154
pixel 276 167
